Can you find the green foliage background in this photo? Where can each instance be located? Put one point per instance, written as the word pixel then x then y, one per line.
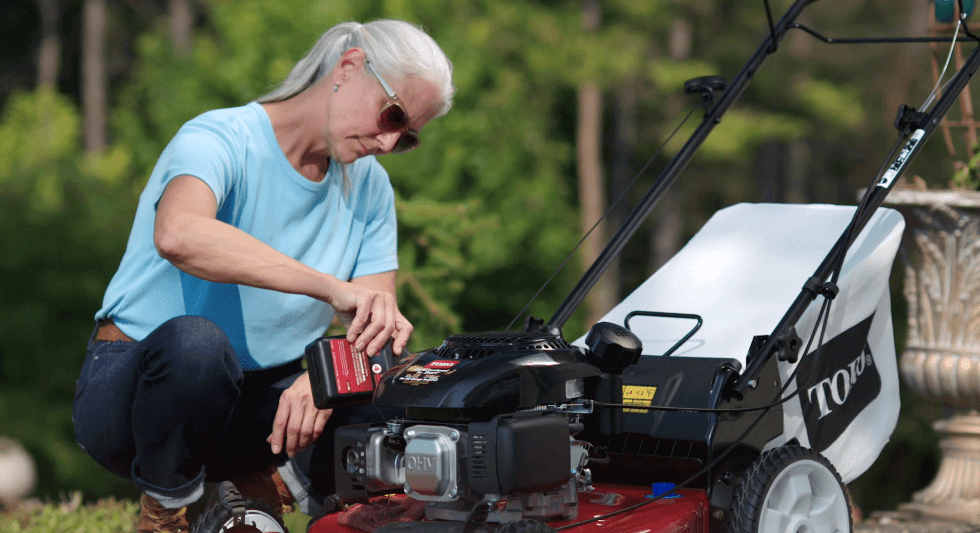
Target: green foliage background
pixel 487 206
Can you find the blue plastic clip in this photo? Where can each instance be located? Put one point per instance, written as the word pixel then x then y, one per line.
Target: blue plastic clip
pixel 663 488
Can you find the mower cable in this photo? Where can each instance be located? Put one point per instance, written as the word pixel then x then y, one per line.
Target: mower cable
pixel 863 203
pixel 820 323
pixel 828 290
pixel 905 130
pixel 939 79
pixel 823 318
pixel 674 409
pixel 604 215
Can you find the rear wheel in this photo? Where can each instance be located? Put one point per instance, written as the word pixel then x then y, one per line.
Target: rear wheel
pixel 234 514
pixel 790 489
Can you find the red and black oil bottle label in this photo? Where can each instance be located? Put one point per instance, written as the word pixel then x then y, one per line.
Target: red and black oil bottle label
pixel 351 366
pixel 341 375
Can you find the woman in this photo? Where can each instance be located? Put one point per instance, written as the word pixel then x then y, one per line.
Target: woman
pixel 257 225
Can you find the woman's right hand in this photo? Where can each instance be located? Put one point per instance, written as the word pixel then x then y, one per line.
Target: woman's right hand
pixel 370 313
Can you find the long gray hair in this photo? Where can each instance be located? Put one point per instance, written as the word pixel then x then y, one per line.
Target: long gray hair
pixel 395 48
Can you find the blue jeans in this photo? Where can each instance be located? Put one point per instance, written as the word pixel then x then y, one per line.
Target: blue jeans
pixel 175 409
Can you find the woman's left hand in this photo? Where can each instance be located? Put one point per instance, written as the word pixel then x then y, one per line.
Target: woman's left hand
pixel 298 422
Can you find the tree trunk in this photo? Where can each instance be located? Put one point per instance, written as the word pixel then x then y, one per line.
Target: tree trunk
pixel 49 53
pixel 770 164
pixel 798 173
pixel 668 227
pixel 181 15
pixel 94 81
pixel 591 193
pixel 667 231
pixel 621 172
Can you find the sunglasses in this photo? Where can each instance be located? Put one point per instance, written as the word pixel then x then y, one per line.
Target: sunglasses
pixel 393 118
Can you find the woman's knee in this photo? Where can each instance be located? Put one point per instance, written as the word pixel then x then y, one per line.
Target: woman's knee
pixel 110 447
pixel 193 349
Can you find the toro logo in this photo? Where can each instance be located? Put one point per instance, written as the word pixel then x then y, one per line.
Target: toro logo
pixel 442 364
pixel 843 383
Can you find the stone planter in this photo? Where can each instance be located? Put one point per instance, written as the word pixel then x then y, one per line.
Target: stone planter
pixel 941 254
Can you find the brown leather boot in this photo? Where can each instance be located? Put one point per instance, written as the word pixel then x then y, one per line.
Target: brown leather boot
pixel 155 518
pixel 266 486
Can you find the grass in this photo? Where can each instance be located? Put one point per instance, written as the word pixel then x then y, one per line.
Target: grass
pixel 104 516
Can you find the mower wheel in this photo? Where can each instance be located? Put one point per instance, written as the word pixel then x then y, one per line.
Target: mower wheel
pixel 255 516
pixel 525 526
pixel 790 489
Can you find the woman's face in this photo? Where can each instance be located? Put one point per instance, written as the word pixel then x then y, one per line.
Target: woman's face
pixel 352 129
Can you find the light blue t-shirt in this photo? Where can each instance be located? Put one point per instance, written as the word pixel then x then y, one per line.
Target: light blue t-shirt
pixel 235 152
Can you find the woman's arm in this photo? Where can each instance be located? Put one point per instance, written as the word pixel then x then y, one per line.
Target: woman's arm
pixel 187 234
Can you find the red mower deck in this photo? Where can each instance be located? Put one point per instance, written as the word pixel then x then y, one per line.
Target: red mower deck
pixel 686 514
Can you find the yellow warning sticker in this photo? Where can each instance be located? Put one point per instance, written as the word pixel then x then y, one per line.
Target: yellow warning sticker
pixel 637 395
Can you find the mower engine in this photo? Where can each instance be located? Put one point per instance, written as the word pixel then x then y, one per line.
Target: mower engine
pixel 490 418
pixel 526 459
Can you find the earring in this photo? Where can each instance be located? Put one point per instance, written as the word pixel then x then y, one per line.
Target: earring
pixel 336 87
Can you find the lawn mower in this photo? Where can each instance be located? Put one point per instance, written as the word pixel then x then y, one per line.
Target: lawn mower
pixel 718 396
